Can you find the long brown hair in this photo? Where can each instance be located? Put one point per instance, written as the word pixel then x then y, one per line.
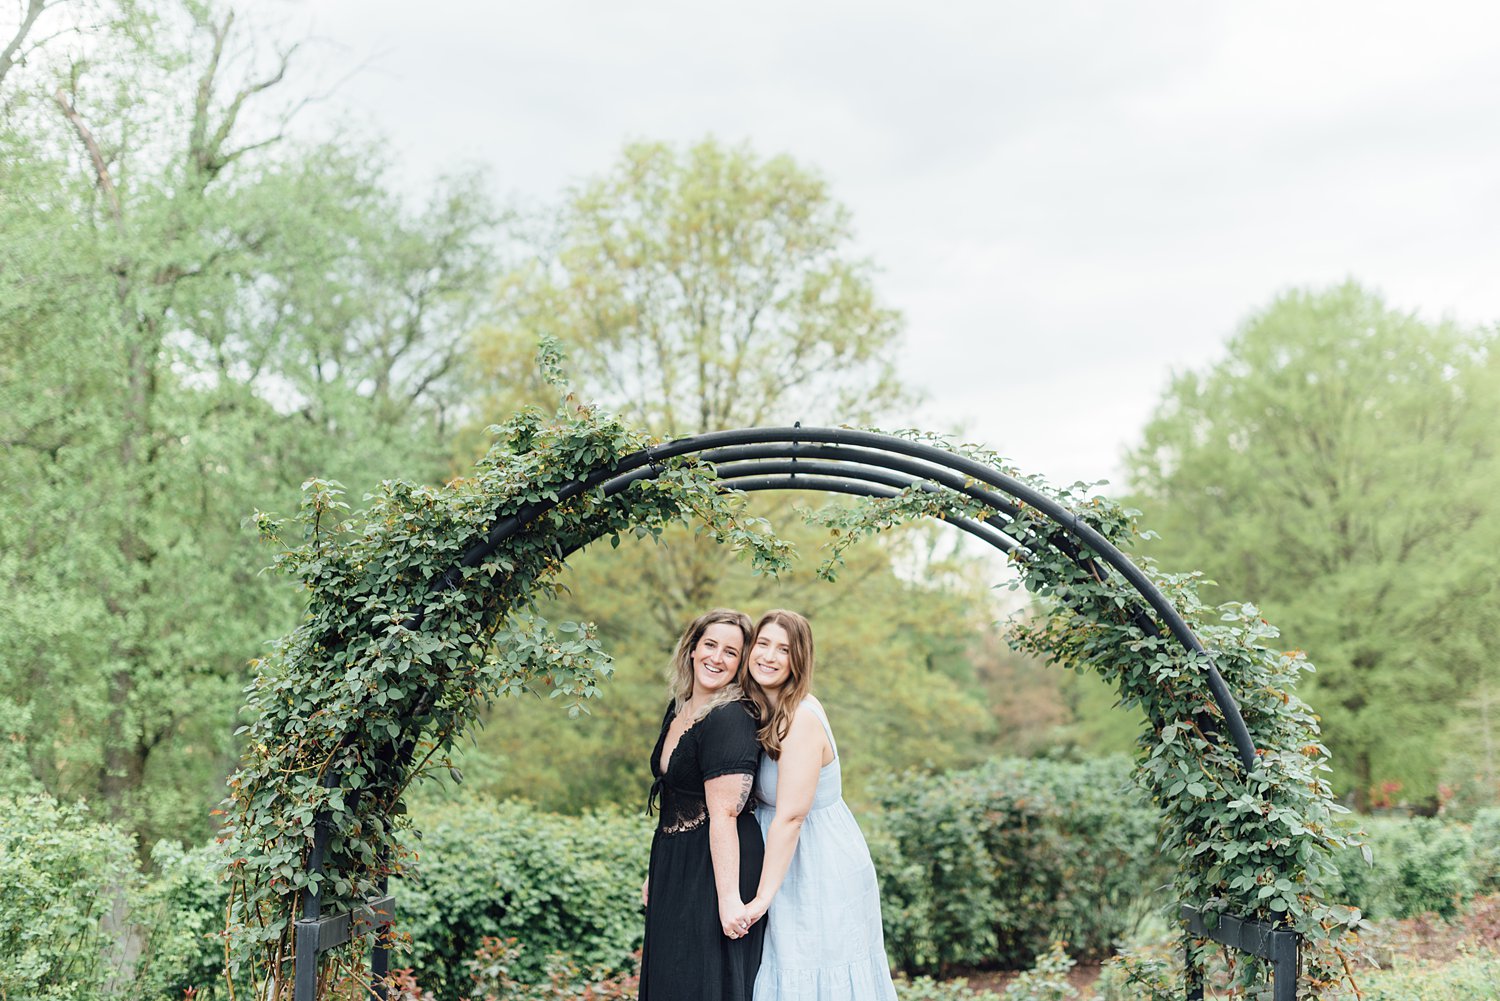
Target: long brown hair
pixel 680 675
pixel 776 722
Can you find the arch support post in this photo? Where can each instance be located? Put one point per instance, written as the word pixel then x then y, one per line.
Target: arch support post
pixel 310 925
pixel 1277 945
pixel 316 934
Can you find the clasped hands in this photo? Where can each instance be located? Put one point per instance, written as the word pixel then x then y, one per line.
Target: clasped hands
pixel 738 917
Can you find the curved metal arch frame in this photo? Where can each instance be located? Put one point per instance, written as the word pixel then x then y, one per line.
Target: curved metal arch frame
pixel 871 463
pixel 827 460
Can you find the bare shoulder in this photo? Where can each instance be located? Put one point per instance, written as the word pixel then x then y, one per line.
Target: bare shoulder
pixel 813 707
pixel 807 729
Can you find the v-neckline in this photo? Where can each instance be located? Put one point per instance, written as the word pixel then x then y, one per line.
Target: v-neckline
pixel 663 769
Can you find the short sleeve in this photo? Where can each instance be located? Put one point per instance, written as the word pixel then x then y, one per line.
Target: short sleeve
pixel 727 744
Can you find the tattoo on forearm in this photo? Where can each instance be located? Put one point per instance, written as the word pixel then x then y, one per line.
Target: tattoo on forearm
pixel 747 783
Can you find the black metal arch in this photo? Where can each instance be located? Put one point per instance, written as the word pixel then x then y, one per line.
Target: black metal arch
pixel 870 463
pixel 846 461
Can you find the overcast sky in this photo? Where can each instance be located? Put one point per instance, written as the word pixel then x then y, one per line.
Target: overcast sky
pixel 1067 201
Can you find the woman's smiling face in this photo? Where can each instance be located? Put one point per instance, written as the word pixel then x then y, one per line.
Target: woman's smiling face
pixel 771 656
pixel 716 657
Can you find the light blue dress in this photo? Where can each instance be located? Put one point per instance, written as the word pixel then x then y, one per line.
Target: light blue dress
pixel 823 936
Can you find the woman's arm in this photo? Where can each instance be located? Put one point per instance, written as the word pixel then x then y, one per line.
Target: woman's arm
pixel 796 783
pixel 726 797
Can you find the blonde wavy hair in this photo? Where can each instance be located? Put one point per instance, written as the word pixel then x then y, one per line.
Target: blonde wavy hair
pixel 776 722
pixel 680 674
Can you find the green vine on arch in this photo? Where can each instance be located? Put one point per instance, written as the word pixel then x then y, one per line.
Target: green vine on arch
pixel 355 704
pixel 1258 845
pixel 388 670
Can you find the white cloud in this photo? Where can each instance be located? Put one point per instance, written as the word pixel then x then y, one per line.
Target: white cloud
pixel 1067 200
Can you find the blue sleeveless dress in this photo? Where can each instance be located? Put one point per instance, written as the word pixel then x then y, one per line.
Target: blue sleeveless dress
pixel 823 936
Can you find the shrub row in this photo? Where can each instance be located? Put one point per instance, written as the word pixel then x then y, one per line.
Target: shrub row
pixel 988 866
pixel 978 868
pixel 560 885
pixel 78 921
pixel 1468 978
pixel 556 884
pixel 1421 864
pixel 61 875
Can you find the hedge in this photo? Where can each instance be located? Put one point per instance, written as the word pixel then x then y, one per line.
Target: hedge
pixel 987 867
pixel 555 883
pixel 61 872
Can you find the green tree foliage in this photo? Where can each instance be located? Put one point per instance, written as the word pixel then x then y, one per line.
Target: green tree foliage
pixel 196 312
pixel 1339 466
pixel 693 290
pixel 898 657
pixel 698 289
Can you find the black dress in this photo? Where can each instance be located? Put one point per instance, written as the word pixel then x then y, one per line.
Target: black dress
pixel 687 956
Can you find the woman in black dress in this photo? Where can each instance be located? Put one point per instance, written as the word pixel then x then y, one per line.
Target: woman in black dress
pixel 707 852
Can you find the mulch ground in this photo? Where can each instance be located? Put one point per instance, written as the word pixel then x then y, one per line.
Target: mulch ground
pixel 1432 938
pixel 1424 937
pixel 1081 976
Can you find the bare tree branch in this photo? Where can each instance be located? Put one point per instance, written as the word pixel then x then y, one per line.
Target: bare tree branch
pixel 203 99
pixel 226 126
pixel 207 151
pixel 96 155
pixel 34 10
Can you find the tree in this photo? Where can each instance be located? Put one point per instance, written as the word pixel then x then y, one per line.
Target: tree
pixel 196 313
pixel 898 658
pixel 1339 468
pixel 701 289
pixel 695 290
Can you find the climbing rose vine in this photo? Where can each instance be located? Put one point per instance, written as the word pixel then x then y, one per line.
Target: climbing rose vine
pixel 390 667
pixel 1257 845
pixel 402 647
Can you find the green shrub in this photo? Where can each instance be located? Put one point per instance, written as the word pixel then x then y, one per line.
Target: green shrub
pixel 1047 980
pixel 491 975
pixel 181 912
pixel 62 874
pixel 556 884
pixel 1485 867
pixel 1147 973
pixel 989 866
pixel 1418 864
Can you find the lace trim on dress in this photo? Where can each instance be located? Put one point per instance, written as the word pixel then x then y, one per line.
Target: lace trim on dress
pixel 683 824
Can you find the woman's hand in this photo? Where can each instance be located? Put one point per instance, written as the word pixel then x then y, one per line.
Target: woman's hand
pixel 756 909
pixel 733 917
pixel 645 890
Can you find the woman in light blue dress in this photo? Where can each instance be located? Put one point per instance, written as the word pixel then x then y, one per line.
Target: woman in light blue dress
pixel 823 939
